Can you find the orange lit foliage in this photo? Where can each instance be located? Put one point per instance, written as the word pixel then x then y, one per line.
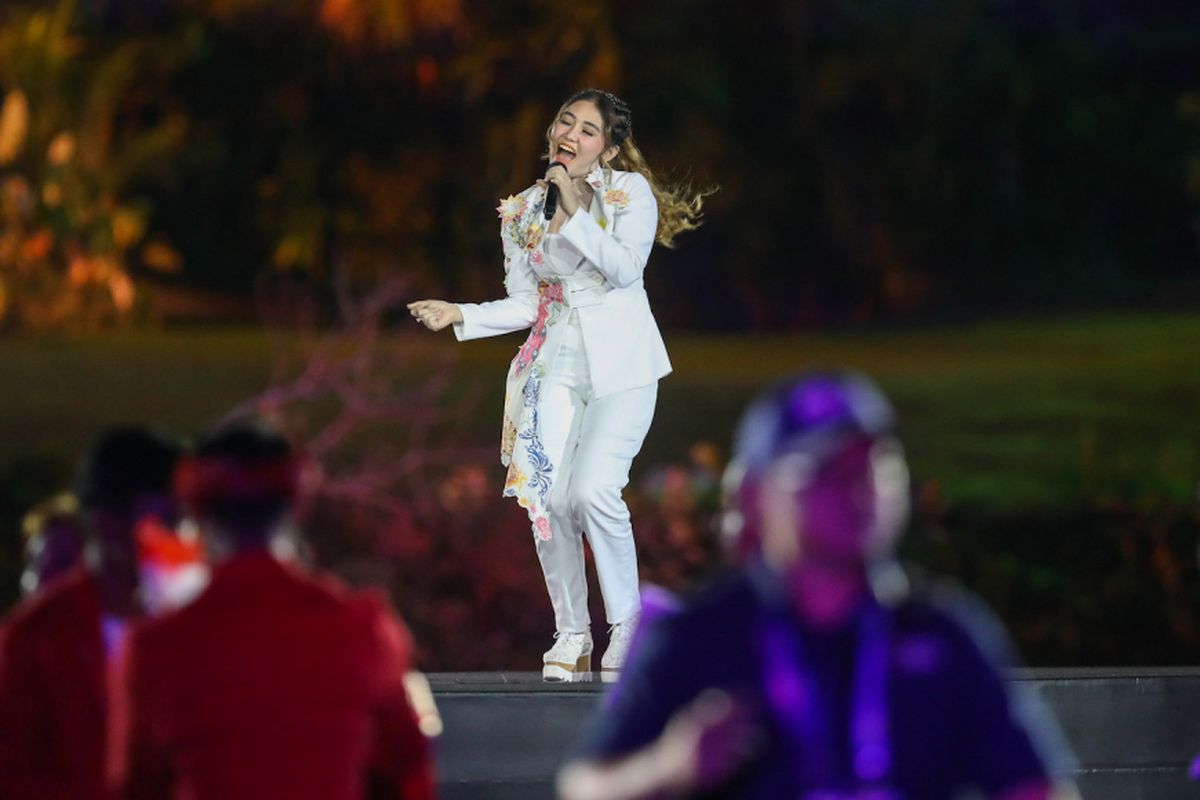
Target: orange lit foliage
pixel 71 232
pixel 382 133
pixel 90 121
pixel 386 23
pixel 389 22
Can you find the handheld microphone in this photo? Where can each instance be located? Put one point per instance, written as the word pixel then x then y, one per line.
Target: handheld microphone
pixel 552 195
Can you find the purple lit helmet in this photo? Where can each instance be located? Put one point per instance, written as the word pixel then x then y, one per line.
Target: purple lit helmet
pixel 812 417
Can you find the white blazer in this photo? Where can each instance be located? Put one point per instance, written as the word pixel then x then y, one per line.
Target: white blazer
pixel 608 245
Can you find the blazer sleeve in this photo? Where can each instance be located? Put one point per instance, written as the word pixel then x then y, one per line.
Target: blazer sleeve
pixel 1013 739
pixel 619 254
pixel 515 312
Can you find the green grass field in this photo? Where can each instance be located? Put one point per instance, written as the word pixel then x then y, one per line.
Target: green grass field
pixel 1057 461
pixel 1045 413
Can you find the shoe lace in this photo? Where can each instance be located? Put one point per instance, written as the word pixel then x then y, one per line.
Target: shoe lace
pixel 566 640
pixel 623 631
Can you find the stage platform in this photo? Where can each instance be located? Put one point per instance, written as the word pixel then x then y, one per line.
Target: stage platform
pixel 1134 731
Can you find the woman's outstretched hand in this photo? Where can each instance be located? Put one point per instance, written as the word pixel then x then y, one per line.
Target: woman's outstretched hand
pixel 435 314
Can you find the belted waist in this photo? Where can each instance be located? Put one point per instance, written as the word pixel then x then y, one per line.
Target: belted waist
pixel 581 291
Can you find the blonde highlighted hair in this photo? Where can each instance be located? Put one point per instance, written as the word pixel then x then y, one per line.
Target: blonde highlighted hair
pixel 679 205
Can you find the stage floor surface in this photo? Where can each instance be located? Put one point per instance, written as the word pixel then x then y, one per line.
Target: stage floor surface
pixel 1134 730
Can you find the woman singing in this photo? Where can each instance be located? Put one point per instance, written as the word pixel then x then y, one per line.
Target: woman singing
pixel 581 391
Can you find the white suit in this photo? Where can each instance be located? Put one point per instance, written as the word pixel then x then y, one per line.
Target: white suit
pixel 581 390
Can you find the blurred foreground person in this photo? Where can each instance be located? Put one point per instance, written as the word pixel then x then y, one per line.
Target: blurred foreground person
pixel 814 671
pixel 58 644
pixel 54 540
pixel 273 683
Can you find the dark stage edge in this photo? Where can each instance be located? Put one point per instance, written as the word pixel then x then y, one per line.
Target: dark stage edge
pixel 1134 730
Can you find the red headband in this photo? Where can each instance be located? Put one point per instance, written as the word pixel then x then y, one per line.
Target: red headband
pixel 201 481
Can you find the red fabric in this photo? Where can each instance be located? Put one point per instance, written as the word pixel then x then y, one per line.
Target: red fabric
pixel 52 695
pixel 199 481
pixel 272 683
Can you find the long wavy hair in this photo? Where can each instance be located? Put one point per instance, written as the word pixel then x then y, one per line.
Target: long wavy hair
pixel 679 205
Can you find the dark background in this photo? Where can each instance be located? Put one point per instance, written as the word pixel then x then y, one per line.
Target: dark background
pixel 878 160
pixel 991 205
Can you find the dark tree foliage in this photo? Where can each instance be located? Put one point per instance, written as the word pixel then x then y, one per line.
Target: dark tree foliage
pixel 878 160
pixel 886 159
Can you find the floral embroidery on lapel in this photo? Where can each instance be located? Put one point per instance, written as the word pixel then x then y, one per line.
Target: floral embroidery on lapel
pixel 511 208
pixel 595 178
pixel 618 199
pixel 520 219
pixel 613 201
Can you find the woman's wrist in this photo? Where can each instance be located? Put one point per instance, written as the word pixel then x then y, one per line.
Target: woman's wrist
pixel 569 201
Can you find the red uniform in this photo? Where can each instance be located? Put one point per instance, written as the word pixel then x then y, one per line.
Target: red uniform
pixel 53 695
pixel 273 683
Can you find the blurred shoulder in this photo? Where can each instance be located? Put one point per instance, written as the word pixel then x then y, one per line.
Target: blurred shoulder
pixel 943 608
pixel 366 609
pixel 371 604
pixel 60 602
pixel 723 606
pixel 364 605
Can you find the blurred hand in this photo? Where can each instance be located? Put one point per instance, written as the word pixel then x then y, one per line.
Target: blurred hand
pixel 1040 789
pixel 435 314
pixel 708 742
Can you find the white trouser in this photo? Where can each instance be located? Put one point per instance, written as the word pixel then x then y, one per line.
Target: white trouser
pixel 592 441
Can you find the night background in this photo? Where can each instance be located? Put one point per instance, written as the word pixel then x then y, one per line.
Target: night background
pixel 209 207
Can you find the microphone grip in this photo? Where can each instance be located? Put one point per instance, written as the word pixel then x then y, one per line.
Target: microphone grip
pixel 551 205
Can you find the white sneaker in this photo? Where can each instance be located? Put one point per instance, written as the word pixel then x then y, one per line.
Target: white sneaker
pixel 619 638
pixel 570 659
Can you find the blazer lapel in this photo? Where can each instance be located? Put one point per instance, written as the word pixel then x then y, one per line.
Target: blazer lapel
pixel 598 180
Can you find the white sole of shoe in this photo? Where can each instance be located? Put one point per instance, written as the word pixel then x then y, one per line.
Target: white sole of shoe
pixel 558 672
pixel 608 675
